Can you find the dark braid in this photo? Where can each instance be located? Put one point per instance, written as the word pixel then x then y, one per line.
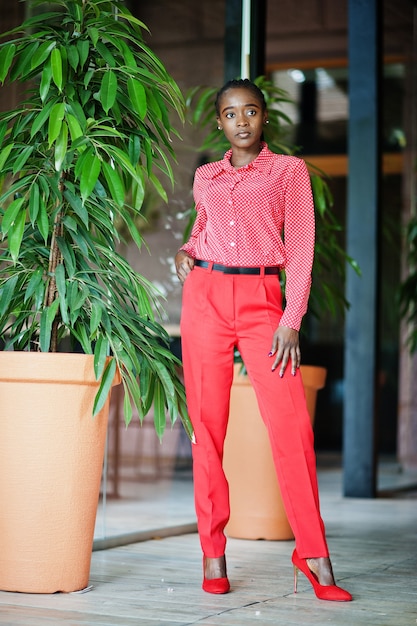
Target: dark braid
pixel 240 83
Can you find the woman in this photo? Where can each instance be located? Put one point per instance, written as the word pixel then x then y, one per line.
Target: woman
pixel 230 269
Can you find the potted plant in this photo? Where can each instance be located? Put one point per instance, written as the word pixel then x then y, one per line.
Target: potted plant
pixel 75 156
pixel 255 501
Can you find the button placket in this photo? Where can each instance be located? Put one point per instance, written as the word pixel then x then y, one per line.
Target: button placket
pixel 232 222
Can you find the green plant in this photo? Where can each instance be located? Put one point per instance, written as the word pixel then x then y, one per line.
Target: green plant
pixel 330 260
pixel 75 156
pixel 408 288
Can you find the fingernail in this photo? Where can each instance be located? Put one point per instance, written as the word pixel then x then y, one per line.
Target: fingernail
pixel 270 354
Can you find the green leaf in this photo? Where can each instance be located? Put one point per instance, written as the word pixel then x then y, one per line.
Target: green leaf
pixel 137 95
pixel 67 254
pixel 80 333
pixel 128 57
pixel 41 119
pixel 11 215
pixel 83 48
pixel 16 235
pixel 159 188
pixel 105 386
pixel 95 317
pixel 21 69
pixel 45 82
pixel 127 408
pixel 22 159
pixel 318 193
pixel 61 147
pixel 55 121
pixel 34 283
pixel 7 292
pixel 106 54
pixel 47 318
pixel 42 220
pixel 42 53
pixel 75 108
pixel 81 161
pixel 122 160
pixel 3 128
pixel 159 410
pixel 77 206
pixel 101 352
pixel 114 183
pixel 73 56
pixel 108 90
pixel 78 295
pixel 94 34
pixel 61 286
pixel 134 148
pixel 6 59
pixel 56 65
pixel 34 203
pixel 4 154
pixel 89 176
pixel 74 127
pixel 87 78
pixel 138 193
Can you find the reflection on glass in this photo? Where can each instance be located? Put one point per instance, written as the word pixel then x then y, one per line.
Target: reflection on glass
pixel 320 107
pixel 146 484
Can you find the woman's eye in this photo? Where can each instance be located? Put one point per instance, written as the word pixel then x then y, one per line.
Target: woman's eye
pixel 229 115
pixel 251 112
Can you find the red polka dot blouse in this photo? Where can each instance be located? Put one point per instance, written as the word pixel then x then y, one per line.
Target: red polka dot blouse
pixel 242 215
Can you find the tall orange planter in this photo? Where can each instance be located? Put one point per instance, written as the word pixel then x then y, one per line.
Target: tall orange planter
pixel 256 508
pixel 51 457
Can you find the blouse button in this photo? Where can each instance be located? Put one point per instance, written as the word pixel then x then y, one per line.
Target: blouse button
pixel 232 243
pixel 231 223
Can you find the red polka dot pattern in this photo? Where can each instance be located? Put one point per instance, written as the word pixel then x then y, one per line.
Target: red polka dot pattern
pixel 242 215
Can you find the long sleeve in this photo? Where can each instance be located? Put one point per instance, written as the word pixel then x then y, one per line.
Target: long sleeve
pixel 299 232
pixel 200 220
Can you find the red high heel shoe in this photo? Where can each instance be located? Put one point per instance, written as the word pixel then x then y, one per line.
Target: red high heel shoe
pixel 214 585
pixel 323 592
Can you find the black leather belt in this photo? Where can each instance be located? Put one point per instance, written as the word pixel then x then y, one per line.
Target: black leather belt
pixel 228 269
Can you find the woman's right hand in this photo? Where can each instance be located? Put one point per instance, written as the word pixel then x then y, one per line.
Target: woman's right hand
pixel 184 263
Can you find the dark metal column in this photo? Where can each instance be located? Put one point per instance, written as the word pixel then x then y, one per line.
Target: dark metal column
pixel 233 39
pixel 362 244
pixel 258 38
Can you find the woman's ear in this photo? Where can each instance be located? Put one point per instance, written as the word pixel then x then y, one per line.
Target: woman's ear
pixel 219 126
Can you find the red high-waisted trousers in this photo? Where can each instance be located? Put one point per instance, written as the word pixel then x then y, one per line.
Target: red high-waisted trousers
pixel 220 311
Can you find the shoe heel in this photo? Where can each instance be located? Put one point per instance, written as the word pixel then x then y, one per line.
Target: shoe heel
pixel 295 578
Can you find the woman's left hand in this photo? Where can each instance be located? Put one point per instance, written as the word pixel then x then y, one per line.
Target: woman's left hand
pixel 285 346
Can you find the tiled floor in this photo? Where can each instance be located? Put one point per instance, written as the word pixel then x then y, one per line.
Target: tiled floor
pixel 158 582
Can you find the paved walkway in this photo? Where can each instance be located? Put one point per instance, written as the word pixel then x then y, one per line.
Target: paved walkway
pixel 158 582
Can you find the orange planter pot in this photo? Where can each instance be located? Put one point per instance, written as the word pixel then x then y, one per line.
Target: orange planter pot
pixel 256 508
pixel 51 458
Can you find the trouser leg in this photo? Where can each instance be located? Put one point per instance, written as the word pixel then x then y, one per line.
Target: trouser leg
pixel 207 352
pixel 284 411
pixel 218 311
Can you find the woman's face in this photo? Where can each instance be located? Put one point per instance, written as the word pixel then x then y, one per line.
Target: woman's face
pixel 241 117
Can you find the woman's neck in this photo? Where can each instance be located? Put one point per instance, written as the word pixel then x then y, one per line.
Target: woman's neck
pixel 240 158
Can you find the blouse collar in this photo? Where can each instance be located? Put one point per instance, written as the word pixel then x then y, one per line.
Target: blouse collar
pixel 262 162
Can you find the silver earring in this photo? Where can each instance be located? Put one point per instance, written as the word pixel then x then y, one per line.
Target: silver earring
pixel 266 121
pixel 219 128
